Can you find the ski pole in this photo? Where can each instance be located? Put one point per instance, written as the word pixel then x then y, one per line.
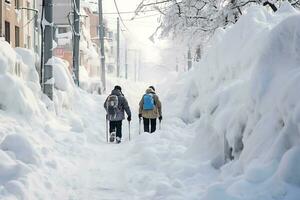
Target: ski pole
pixel 106 125
pixel 140 126
pixel 129 129
pixel 159 124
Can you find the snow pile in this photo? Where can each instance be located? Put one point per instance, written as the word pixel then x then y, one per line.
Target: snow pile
pixel 90 71
pixel 29 70
pixel 87 83
pixel 35 132
pixel 243 102
pixel 34 139
pixel 62 78
pixel 19 83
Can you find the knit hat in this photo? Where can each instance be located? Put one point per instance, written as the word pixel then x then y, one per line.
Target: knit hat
pixel 117 87
pixel 152 87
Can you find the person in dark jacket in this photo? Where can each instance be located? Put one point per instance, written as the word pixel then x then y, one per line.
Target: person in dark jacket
pixel 115 114
pixel 151 113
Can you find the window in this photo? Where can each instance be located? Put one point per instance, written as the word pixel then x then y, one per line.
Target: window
pixel 7 31
pixel 62 29
pixel 17 36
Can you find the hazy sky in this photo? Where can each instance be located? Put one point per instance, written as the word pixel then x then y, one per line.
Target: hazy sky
pixel 139 30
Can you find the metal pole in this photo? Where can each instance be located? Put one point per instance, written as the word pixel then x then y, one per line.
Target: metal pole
pixel 189 59
pixel 106 126
pixel 129 131
pixel 159 124
pixel 118 47
pixel 48 46
pixel 76 39
pixel 140 122
pixel 126 62
pixel 34 28
pixel 101 38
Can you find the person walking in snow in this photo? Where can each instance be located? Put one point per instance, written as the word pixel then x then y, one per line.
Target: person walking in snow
pixel 150 110
pixel 115 105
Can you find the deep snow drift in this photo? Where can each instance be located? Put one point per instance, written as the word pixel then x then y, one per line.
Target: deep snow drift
pixel 243 103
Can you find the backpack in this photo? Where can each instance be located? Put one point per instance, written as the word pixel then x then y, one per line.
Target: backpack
pixel 112 106
pixel 148 102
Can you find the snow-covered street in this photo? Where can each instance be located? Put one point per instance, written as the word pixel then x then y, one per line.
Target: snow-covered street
pixel 230 115
pixel 150 166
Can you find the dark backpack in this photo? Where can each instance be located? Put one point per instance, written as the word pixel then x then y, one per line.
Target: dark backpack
pixel 112 106
pixel 148 102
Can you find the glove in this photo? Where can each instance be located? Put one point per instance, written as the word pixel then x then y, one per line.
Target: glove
pixel 160 118
pixel 129 118
pixel 140 115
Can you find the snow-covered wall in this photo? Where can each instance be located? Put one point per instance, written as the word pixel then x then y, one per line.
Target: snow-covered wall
pixel 30 123
pixel 243 101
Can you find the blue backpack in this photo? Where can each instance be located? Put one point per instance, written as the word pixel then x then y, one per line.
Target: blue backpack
pixel 148 102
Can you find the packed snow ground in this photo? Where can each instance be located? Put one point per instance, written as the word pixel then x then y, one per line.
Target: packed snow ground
pixel 242 96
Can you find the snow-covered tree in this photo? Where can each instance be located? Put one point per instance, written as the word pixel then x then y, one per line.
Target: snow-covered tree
pixel 200 16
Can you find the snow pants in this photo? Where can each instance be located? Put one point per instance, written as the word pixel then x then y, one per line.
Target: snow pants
pixel 116 126
pixel 147 123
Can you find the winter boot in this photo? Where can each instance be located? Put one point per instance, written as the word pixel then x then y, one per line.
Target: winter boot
pixel 118 140
pixel 112 136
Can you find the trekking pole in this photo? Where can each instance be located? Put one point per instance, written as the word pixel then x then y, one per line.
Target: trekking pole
pixel 140 126
pixel 159 124
pixel 106 125
pixel 129 130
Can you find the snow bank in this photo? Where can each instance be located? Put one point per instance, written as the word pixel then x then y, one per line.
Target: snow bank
pixel 62 78
pixel 87 83
pixel 32 127
pixel 19 85
pixel 21 148
pixel 242 99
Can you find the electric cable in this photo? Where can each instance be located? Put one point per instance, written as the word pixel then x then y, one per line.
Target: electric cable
pixel 120 15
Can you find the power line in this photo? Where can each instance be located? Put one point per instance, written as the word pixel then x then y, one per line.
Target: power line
pixel 120 15
pixel 127 12
pixel 147 16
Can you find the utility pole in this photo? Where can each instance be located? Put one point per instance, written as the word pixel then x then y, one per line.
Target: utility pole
pixel 118 47
pixel 101 40
pixel 76 39
pixel 126 62
pixel 189 59
pixel 47 48
pixel 35 26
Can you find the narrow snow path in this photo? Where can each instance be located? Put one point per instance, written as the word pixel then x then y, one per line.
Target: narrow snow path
pixel 103 174
pixel 150 166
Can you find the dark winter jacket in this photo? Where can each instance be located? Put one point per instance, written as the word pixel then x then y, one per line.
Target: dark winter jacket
pixel 151 114
pixel 122 105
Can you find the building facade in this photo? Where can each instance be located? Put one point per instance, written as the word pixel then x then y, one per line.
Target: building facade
pixel 18 21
